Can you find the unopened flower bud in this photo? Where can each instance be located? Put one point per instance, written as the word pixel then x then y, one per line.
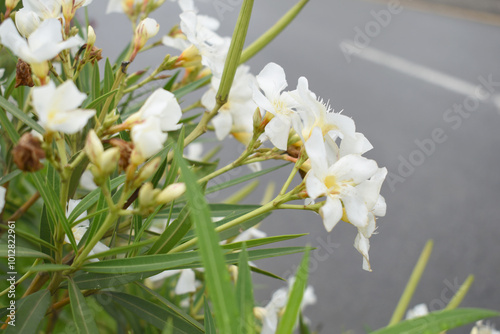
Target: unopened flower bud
pixel 189 57
pixel 23 74
pixel 257 121
pixel 171 192
pixel 109 160
pixel 93 147
pixel 147 196
pixel 146 29
pixel 91 37
pixel 11 4
pixel 41 70
pixel 27 21
pixel 259 312
pixel 28 152
pixel 147 171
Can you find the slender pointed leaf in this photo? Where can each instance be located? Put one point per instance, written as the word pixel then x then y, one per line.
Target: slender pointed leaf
pixel 172 234
pixel 209 320
pixel 437 322
pixel 292 308
pixel 183 316
pixel 152 313
pixel 217 278
pixel 51 200
pixel 23 252
pixel 244 295
pixel 82 315
pixel 20 115
pixel 242 179
pixel 30 313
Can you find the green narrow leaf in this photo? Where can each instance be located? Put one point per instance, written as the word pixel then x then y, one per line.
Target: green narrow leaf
pixel 82 315
pixel 109 77
pixel 30 313
pixel 274 31
pixel 183 316
pixel 261 241
pixel 209 320
pixel 170 83
pixel 16 112
pixel 92 198
pixel 97 102
pixel 96 82
pixel 217 278
pixel 303 327
pixel 8 127
pixel 152 313
pixel 412 284
pixel 244 295
pixel 122 249
pixel 242 179
pixel 50 267
pixel 437 322
pixel 460 294
pixel 179 93
pixel 234 53
pixel 51 200
pixel 23 252
pixel 292 308
pixel 86 281
pixel 142 263
pixel 46 228
pixel 98 219
pixel 172 234
pixel 6 178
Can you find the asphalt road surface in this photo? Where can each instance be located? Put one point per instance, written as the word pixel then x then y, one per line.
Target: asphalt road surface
pixel 424 90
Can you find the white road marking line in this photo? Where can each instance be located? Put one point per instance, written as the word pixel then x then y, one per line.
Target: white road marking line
pixel 420 72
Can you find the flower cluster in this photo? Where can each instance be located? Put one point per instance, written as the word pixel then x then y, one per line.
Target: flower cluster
pixel 350 182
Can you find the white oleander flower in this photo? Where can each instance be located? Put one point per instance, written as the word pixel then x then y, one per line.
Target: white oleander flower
pixel 315 113
pixel 3 191
pixel 27 21
pixel 57 107
pixel 375 203
pixel 161 112
pixel 271 313
pixel 417 311
pixel 338 182
pixel 236 115
pixel 42 44
pixel 272 81
pixel 205 43
pixel 185 284
pixel 81 228
pixel 484 328
pixel 45 9
pixel 148 138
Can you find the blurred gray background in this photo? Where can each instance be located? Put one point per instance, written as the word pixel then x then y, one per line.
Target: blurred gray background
pixel 444 50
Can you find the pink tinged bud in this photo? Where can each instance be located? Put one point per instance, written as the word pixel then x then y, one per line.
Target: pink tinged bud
pixel 148 171
pixel 146 29
pixel 171 192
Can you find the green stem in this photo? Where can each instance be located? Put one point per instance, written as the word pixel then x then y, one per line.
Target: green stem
pixel 235 222
pixel 294 171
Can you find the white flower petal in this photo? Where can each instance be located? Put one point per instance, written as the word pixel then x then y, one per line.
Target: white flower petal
pixel 315 148
pixel 222 124
pixel 355 207
pixel 272 80
pixel 186 282
pixel 3 191
pixel 278 131
pixel 331 212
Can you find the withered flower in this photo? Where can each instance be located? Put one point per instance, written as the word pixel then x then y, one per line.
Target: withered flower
pixel 125 152
pixel 23 74
pixel 28 152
